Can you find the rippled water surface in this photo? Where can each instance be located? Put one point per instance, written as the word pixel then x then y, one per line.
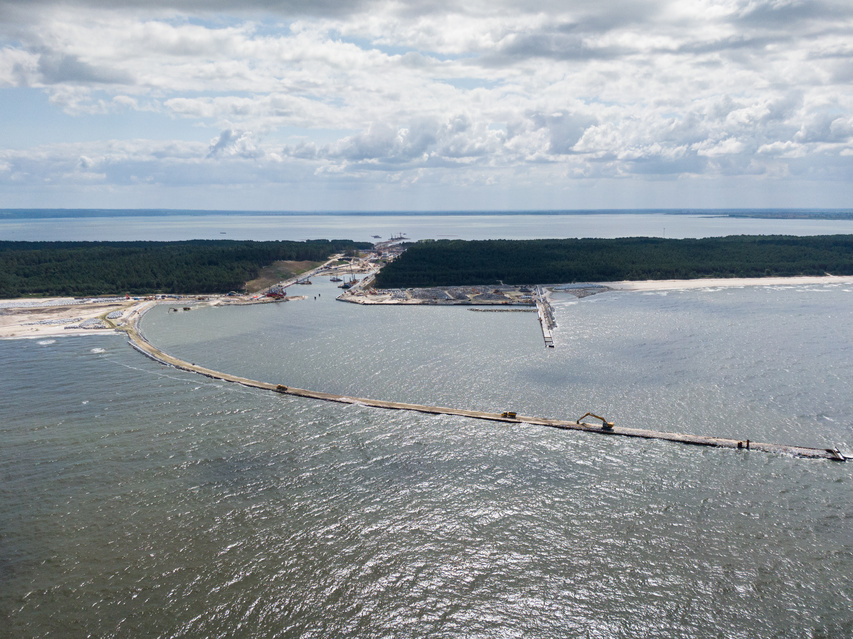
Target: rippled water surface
pixel 137 500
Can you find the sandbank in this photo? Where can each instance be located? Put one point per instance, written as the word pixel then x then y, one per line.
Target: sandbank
pixel 728 282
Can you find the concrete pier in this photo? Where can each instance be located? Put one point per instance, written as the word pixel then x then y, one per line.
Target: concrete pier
pixel 546 317
pixel 148 349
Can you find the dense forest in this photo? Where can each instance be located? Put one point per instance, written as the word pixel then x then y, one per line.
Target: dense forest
pixel 196 266
pixel 459 262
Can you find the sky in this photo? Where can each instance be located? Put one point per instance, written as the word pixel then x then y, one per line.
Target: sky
pixel 332 105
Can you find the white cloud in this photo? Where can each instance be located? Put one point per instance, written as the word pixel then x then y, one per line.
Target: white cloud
pixel 17 67
pixel 419 92
pixel 234 143
pixel 729 146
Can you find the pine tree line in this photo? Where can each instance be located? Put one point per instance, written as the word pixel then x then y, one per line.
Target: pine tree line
pixel 104 268
pixel 460 262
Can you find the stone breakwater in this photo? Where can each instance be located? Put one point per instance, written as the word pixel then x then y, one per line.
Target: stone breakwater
pixel 141 344
pixel 54 322
pixel 92 324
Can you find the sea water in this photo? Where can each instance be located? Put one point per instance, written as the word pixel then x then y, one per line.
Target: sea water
pixel 137 500
pixel 364 227
pixel 142 501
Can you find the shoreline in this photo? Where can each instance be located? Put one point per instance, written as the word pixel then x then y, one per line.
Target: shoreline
pixel 726 282
pixel 51 317
pixel 29 318
pixel 505 295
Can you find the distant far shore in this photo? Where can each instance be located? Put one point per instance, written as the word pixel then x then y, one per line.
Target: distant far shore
pixel 768 213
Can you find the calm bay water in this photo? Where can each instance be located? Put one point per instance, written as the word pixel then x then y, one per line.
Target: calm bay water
pixel 137 500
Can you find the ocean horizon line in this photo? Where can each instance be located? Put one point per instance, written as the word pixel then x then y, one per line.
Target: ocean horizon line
pixel 773 212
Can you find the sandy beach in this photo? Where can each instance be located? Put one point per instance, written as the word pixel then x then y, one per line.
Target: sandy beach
pixel 727 282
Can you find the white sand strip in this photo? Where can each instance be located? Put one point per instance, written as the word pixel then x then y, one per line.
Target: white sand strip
pixel 728 282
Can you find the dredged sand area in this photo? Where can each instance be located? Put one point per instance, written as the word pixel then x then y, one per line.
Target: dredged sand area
pixel 52 317
pixel 731 282
pixel 29 318
pixel 56 316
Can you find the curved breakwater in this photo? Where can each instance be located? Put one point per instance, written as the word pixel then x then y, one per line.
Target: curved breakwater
pixel 142 345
